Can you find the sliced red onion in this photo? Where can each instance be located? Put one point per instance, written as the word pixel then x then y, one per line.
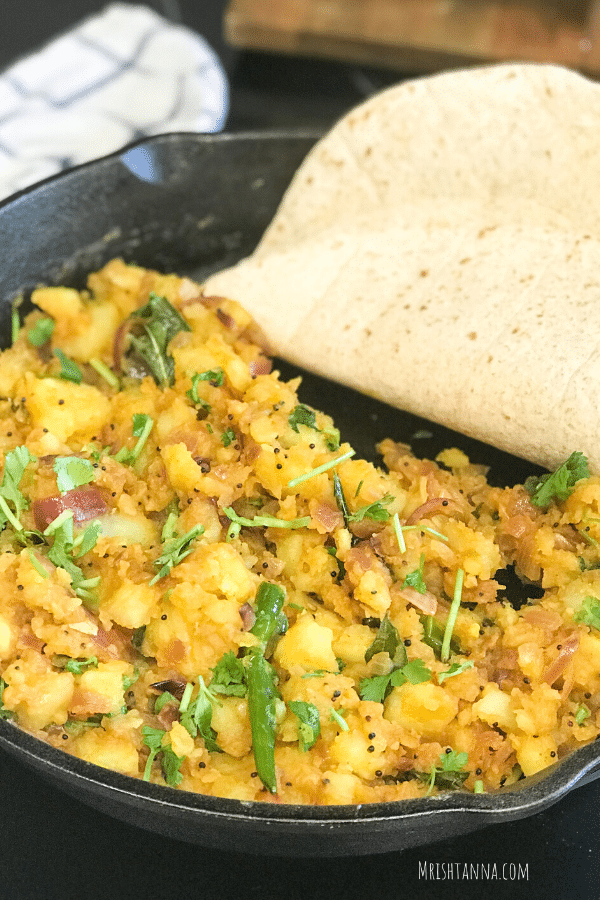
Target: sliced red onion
pixel 85 503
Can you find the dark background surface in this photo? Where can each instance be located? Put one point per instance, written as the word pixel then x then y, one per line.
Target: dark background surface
pixel 53 847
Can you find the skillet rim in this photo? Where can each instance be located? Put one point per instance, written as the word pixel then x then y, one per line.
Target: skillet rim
pixel 526 798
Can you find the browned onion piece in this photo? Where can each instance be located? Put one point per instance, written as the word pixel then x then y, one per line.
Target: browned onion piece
pixel 247 616
pixel 567 651
pixel 172 685
pixel 225 319
pixel 426 602
pixel 328 517
pixel 85 503
pixel 431 508
pixel 168 714
pixel 262 365
pixel 119 342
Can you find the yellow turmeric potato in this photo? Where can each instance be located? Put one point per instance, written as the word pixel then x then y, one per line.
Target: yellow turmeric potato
pixel 65 408
pixel 109 751
pixel 306 645
pixel 426 707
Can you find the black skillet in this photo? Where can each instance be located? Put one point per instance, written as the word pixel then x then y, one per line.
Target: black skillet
pixel 193 204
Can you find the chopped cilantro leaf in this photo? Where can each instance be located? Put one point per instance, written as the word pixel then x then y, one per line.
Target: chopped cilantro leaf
pixel 455 669
pixel 152 738
pixel 142 426
pixel 60 553
pixel 560 484
pixel 589 612
pixel 415 579
pixel 332 438
pixel 228 437
pixel 302 415
pixel 375 688
pixel 88 539
pixel 72 472
pixel 450 775
pixel 378 687
pixel 374 511
pixel 69 371
pixel 416 672
pixel 162 700
pixel 229 676
pixel 197 718
pixel 15 463
pixel 170 765
pixel 174 551
pixel 582 714
pixel 75 666
pixel 309 726
pixel 170 762
pixel 41 332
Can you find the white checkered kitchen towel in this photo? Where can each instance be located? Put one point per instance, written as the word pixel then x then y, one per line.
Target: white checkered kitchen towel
pixel 116 77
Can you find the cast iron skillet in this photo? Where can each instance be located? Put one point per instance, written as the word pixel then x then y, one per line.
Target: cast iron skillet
pixel 193 204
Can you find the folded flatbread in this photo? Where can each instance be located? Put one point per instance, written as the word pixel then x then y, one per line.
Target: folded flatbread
pixel 439 249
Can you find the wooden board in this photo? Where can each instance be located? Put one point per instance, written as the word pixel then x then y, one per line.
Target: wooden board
pixel 421 35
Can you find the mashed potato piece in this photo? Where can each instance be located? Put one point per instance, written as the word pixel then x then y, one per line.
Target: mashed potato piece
pixel 202 586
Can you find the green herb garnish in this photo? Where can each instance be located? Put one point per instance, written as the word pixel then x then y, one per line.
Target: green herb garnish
pixel 87 540
pixel 320 469
pixel 142 426
pixel 104 372
pixel 336 715
pixel 196 717
pixel 375 511
pixel 229 676
pixel 162 700
pixel 69 371
pixel 455 669
pixel 60 553
pixel 41 332
pixel 153 327
pixel 415 579
pixel 72 472
pixel 238 522
pixel 387 640
pixel 170 762
pixel 450 775
pixel 309 724
pixel 589 612
pixel 379 686
pixel 228 437
pixel 582 714
pixel 302 415
pixel 458 585
pixel 15 463
pixel 560 484
pixel 75 666
pixel 174 551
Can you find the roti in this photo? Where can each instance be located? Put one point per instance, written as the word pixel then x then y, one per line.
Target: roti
pixel 439 249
